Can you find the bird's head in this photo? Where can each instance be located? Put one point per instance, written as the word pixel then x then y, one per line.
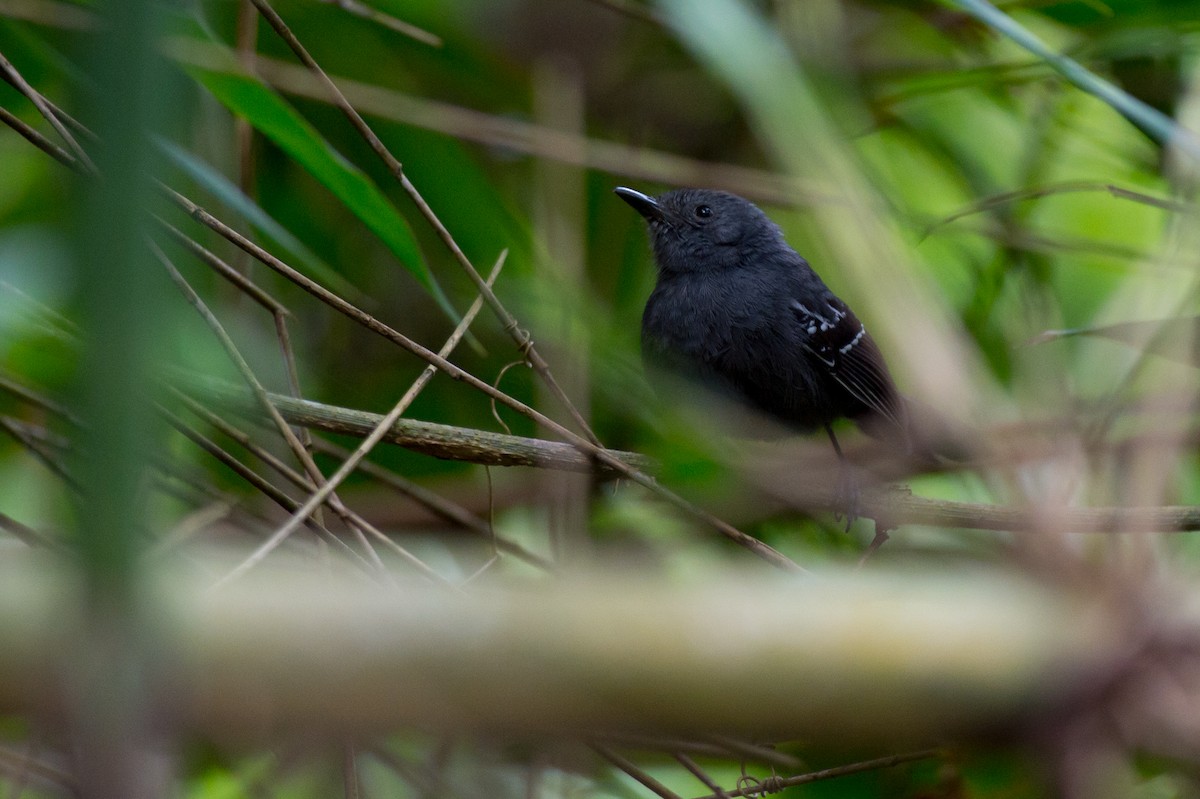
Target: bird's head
pixel 699 230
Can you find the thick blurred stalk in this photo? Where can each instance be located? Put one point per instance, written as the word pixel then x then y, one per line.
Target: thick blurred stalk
pixel 121 299
pixel 560 218
pixel 836 659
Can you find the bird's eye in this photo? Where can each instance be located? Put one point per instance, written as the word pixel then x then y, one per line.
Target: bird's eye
pixel 703 211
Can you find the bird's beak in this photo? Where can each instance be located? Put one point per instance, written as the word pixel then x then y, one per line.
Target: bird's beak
pixel 644 204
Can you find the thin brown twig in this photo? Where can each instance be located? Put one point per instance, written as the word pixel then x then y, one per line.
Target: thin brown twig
pixel 519 335
pixel 441 506
pixel 231 274
pixel 838 771
pixel 1066 187
pixel 700 774
pixel 278 311
pixel 15 78
pixel 388 21
pixel 225 270
pixel 630 768
pixel 261 484
pixel 34 137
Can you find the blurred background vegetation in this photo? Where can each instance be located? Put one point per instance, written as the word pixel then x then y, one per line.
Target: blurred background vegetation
pixel 1017 232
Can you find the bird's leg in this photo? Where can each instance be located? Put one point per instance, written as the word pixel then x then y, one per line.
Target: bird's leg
pixel 846 492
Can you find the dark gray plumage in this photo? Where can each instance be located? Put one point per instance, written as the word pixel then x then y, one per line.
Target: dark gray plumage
pixel 739 310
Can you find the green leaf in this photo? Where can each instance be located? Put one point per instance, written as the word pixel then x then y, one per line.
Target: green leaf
pixel 271 116
pixel 230 195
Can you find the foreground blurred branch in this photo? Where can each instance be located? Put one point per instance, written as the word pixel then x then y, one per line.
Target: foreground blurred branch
pixel 916 657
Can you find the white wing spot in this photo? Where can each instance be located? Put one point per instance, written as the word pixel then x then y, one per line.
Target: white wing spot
pixel 862 331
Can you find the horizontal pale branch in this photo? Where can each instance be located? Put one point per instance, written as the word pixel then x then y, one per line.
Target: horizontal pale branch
pixel 835 659
pixel 429 438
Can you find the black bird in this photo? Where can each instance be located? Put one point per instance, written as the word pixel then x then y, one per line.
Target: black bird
pixel 738 310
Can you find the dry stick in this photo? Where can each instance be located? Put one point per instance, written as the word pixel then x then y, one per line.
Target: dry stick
pixel 505 132
pixel 829 773
pixel 218 265
pixel 388 21
pixel 1065 187
pixel 627 765
pixel 14 77
pixel 261 484
pixel 34 137
pixel 700 774
pixel 260 393
pixel 759 548
pixel 521 337
pixel 191 491
pixel 382 429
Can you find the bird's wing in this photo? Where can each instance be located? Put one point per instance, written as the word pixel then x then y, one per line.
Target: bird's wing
pixel 837 339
